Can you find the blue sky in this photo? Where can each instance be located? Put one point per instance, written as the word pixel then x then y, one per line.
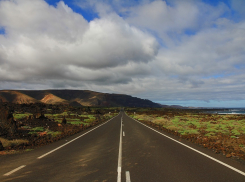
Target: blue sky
pixel 86 13
pixel 178 52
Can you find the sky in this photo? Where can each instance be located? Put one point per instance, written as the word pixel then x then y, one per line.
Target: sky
pixel 174 52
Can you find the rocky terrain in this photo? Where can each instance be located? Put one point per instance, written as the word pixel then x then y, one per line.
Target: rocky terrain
pixel 24 127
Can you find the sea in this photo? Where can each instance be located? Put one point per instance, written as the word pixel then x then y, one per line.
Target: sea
pixel 229 111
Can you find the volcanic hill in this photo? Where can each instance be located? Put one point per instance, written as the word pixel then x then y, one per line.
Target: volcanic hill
pixel 74 98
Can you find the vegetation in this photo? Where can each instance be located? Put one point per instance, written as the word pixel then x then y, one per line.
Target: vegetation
pixel 12 143
pixel 24 126
pixel 222 133
pixel 211 125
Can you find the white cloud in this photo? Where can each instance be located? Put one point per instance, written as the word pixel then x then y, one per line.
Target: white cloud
pixel 209 52
pixel 171 21
pixel 157 15
pixel 57 48
pixel 55 42
pixel 239 5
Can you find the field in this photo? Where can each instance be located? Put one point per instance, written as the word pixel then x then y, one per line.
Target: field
pixel 24 127
pixel 222 133
pixel 35 126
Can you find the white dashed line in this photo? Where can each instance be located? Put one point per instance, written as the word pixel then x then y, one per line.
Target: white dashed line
pixel 13 171
pixel 123 133
pixel 128 176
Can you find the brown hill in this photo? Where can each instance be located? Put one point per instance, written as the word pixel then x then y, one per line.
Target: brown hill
pixel 52 99
pixel 16 97
pixel 74 97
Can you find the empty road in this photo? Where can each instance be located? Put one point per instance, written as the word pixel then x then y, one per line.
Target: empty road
pixel 121 149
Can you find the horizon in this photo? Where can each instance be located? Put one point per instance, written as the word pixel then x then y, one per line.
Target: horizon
pixel 175 52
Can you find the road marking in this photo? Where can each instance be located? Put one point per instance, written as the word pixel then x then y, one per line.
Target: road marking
pixel 73 140
pixel 216 160
pixel 13 171
pixel 128 176
pixel 119 167
pixel 123 133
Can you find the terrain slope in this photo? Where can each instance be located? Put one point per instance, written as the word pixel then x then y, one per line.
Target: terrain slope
pixel 73 97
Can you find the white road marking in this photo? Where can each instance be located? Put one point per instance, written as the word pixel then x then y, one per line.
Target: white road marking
pixel 73 140
pixel 123 133
pixel 119 168
pixel 216 160
pixel 128 176
pixel 13 171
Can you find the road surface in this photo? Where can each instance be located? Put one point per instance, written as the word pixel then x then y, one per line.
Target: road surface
pixel 121 149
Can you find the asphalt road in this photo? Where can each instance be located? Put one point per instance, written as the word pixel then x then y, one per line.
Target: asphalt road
pixel 120 150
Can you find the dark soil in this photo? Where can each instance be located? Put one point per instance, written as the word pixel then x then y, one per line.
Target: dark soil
pixel 23 127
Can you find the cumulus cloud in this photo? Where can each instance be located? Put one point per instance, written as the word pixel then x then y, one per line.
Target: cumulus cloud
pixel 56 43
pixel 209 52
pixel 160 50
pixel 171 20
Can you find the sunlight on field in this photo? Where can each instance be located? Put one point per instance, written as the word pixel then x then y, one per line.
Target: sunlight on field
pixel 194 124
pixel 225 131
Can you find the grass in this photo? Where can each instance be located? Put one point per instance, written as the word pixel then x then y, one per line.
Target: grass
pixel 206 129
pixel 41 129
pixel 194 124
pixel 11 143
pixel 54 133
pixel 36 130
pixel 76 121
pixel 21 116
pixel 28 150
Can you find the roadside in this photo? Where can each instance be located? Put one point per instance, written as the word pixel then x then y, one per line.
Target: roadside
pixel 24 128
pixel 223 134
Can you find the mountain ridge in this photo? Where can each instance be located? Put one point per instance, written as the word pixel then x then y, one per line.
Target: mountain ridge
pixel 73 97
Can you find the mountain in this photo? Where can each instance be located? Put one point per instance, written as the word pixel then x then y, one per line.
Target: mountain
pixel 74 98
pixel 52 99
pixel 16 97
pixel 173 106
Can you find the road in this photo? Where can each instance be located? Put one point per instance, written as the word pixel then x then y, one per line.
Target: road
pixel 121 149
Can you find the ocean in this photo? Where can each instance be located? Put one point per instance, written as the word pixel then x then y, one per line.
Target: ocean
pixel 229 111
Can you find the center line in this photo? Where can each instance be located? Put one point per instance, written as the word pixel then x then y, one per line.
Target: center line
pixel 123 133
pixel 119 168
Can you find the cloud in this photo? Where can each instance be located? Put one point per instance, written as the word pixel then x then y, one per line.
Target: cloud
pixel 172 19
pixel 58 44
pixel 160 50
pixel 238 5
pixel 209 52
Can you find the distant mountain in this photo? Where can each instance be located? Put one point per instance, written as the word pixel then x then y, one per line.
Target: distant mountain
pixel 74 98
pixel 16 97
pixel 177 107
pixel 173 106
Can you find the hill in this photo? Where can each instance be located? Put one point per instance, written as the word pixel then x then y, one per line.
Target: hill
pixel 74 98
